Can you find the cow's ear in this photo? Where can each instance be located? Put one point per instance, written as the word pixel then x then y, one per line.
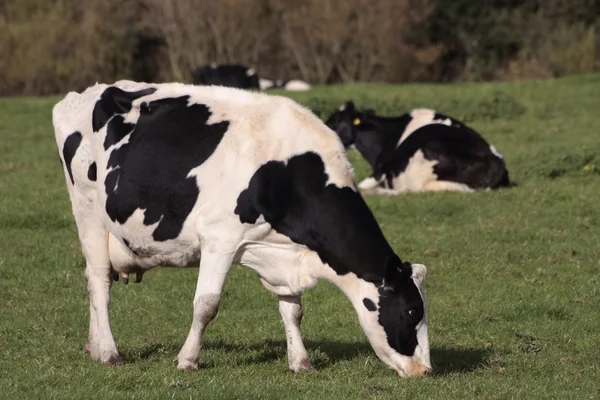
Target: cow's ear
pixel 395 272
pixel 348 106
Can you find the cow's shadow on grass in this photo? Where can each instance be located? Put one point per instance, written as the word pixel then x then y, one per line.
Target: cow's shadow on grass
pixel 445 360
pixel 460 360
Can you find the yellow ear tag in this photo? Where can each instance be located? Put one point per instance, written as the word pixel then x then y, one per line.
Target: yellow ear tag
pixel 357 121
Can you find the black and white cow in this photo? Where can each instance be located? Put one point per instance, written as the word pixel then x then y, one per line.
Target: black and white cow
pixel 294 85
pixel 236 76
pixel 181 175
pixel 419 151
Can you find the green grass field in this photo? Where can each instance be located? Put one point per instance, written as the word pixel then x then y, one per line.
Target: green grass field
pixel 514 305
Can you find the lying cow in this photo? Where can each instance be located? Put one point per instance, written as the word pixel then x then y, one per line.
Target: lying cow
pixel 180 175
pixel 236 76
pixel 419 151
pixel 294 85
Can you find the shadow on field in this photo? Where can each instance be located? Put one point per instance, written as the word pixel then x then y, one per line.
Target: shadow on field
pixel 459 360
pixel 323 354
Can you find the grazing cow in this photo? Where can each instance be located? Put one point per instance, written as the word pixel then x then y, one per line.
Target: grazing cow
pixel 295 85
pixel 236 76
pixel 419 151
pixel 180 175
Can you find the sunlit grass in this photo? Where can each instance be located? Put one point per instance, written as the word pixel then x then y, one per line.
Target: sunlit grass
pixel 512 283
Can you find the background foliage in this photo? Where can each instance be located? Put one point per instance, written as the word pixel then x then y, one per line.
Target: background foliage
pixel 52 46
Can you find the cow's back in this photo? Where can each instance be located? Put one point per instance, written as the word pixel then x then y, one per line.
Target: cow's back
pixel 168 155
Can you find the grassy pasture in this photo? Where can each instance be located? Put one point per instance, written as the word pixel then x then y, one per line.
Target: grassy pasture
pixel 514 304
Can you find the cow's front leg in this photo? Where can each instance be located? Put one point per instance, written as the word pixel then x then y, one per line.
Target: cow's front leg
pixel 211 277
pixel 290 308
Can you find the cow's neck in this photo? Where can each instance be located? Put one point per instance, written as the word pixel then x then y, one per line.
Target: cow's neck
pixel 372 142
pixel 338 225
pixel 300 200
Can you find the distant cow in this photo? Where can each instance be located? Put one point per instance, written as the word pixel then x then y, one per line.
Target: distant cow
pixel 419 151
pixel 180 175
pixel 294 85
pixel 236 76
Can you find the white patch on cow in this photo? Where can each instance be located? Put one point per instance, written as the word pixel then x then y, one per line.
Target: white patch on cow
pixel 368 183
pixel 342 107
pixel 422 352
pixel 265 83
pixel 496 152
pixel 250 72
pixel 297 85
pixel 265 251
pixel 417 174
pixel 420 118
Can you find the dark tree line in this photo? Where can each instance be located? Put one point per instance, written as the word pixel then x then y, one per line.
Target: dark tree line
pixel 52 46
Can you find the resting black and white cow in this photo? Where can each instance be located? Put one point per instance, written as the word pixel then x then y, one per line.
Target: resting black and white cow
pixel 294 85
pixel 419 151
pixel 236 76
pixel 180 175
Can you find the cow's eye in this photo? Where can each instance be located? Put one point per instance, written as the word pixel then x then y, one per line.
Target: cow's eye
pixel 413 313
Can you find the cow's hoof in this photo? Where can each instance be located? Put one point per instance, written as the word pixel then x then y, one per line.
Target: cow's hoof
pixel 114 359
pixel 303 366
pixel 187 365
pixel 86 349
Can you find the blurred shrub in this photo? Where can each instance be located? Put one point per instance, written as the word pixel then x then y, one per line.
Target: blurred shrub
pixel 52 46
pixel 320 41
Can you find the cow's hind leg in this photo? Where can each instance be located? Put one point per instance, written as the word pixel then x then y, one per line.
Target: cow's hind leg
pixel 94 243
pixel 290 308
pixel 211 277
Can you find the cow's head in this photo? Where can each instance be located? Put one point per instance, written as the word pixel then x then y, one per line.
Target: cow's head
pixel 344 122
pixel 347 121
pixel 393 315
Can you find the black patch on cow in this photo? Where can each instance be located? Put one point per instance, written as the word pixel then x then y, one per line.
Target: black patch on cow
pixel 69 149
pixel 400 310
pixel 369 305
pixel 150 171
pixel 114 101
pixel 334 222
pixel 117 130
pixel 462 156
pixel 92 172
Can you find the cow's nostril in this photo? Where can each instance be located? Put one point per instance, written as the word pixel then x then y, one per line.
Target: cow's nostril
pixel 427 371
